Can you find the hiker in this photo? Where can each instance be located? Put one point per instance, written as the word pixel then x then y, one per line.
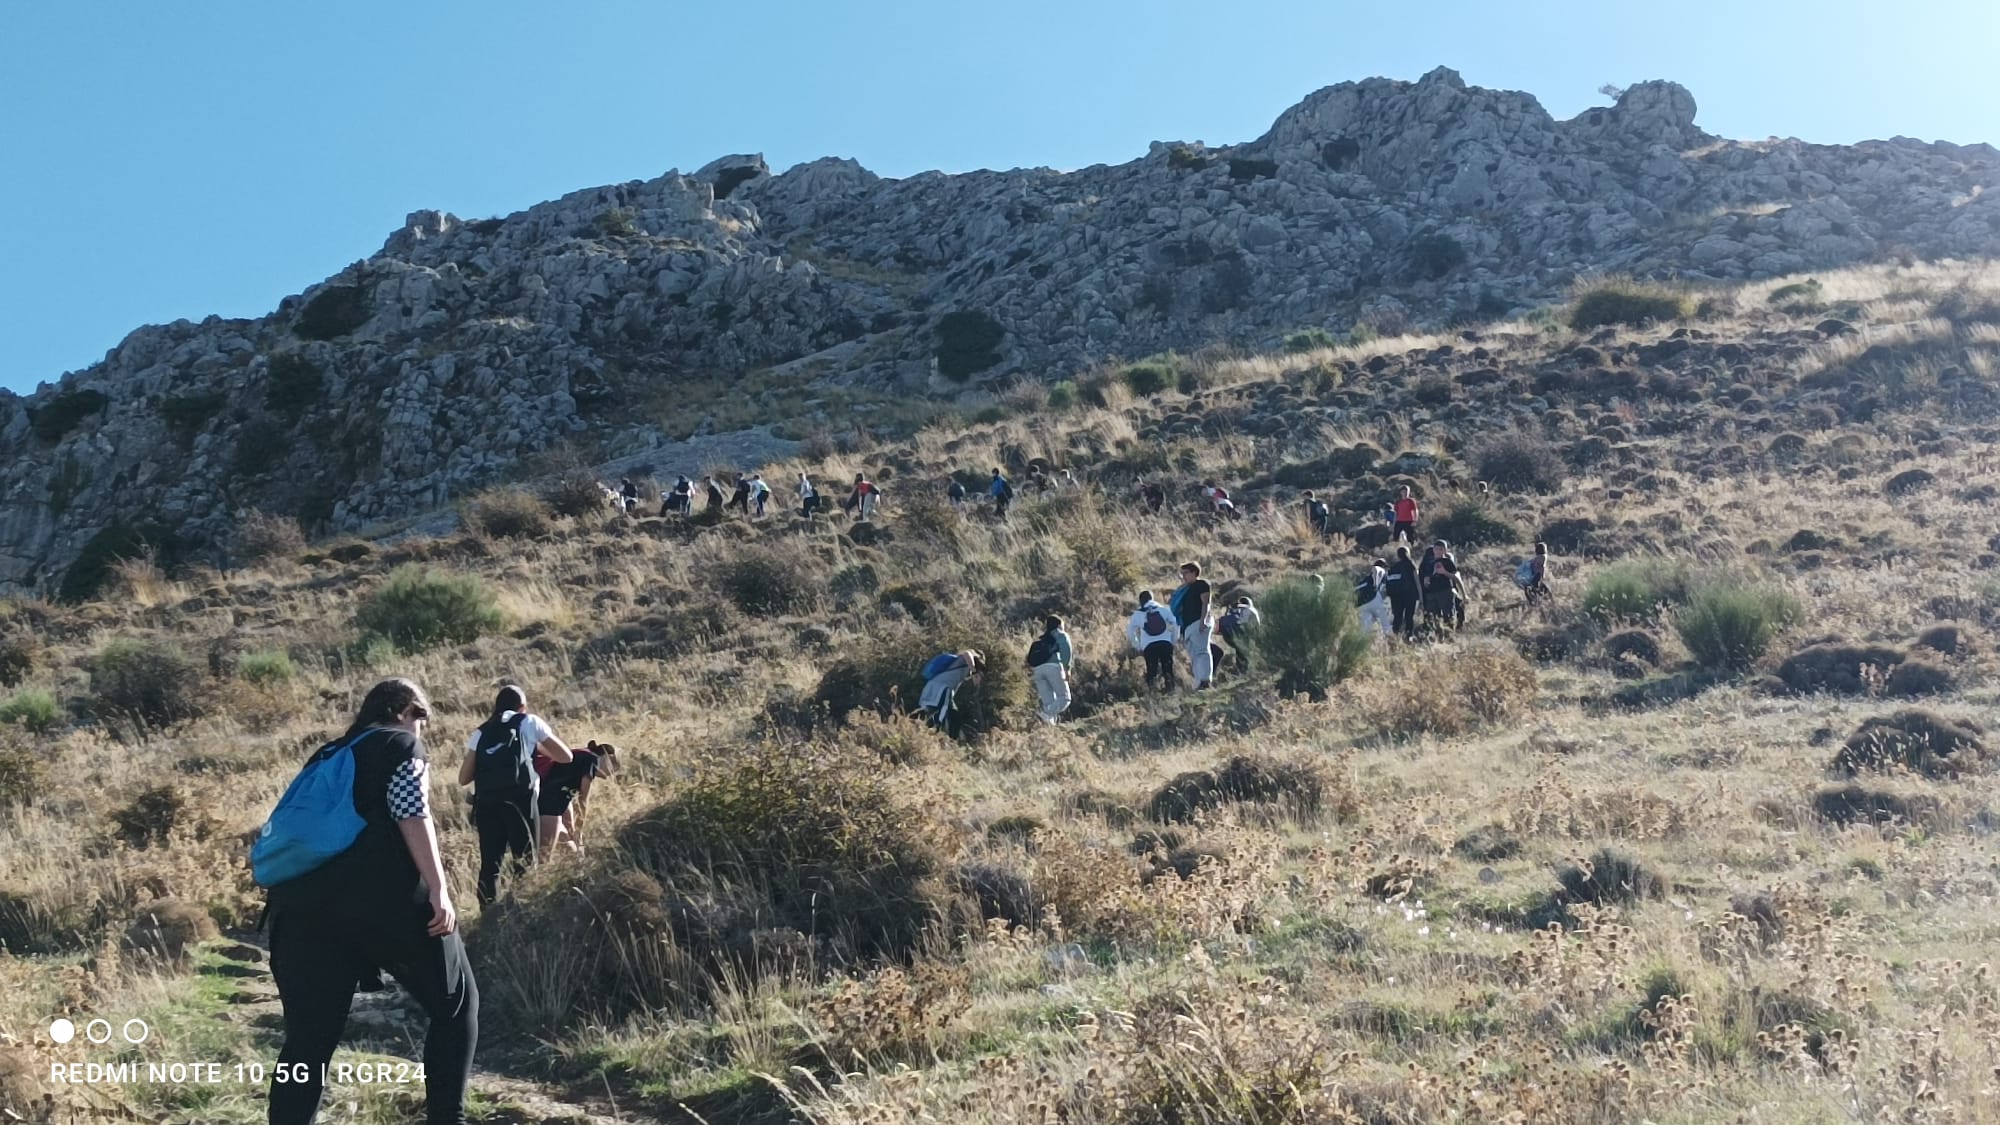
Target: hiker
pixel 1002 492
pixel 1049 659
pixel 943 674
pixel 955 492
pixel 1219 502
pixel 680 498
pixel 1196 622
pixel 1444 603
pixel 1318 516
pixel 499 765
pixel 1153 496
pixel 1401 583
pixel 1235 627
pixel 1372 599
pixel 861 502
pixel 628 495
pixel 1405 511
pixel 739 497
pixel 380 904
pixel 713 500
pixel 808 498
pixel 1532 576
pixel 565 792
pixel 1151 632
pixel 760 493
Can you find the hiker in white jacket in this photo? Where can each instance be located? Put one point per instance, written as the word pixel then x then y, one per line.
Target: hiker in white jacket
pixel 1374 611
pixel 1151 631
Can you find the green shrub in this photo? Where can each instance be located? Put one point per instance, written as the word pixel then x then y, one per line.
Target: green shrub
pixel 1635 589
pixel 812 839
pixel 1151 376
pixel 1181 158
pixel 616 223
pixel 968 342
pixel 1310 636
pixel 769 581
pixel 53 420
pixel 266 668
pixel 1436 254
pixel 575 492
pixel 510 513
pixel 1803 296
pixel 146 682
pixel 333 312
pixel 292 385
pixel 886 675
pixel 36 709
pixel 1310 340
pixel 155 814
pixel 1628 302
pixel 1470 523
pixel 261 537
pixel 417 609
pixel 1729 627
pixel 17 659
pixel 1101 553
pixel 1518 461
pixel 1243 169
pixel 1062 396
pixel 188 415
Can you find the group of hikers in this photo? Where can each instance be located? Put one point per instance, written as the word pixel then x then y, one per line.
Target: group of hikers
pixel 750 496
pixel 357 885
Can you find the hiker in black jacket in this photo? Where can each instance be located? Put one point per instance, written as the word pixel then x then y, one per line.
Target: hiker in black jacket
pixel 1404 593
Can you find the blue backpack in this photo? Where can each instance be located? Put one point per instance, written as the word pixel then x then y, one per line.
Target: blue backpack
pixel 937 665
pixel 315 820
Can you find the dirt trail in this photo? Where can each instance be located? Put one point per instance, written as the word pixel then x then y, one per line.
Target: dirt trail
pixel 389 1023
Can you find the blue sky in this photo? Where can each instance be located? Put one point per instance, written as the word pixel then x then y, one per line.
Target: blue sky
pixel 172 160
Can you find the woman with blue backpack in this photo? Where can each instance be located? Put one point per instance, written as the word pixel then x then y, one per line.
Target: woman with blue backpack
pixel 356 884
pixel 943 674
pixel 500 766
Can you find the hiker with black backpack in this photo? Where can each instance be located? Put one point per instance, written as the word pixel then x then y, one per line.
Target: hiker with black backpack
pixel 808 497
pixel 1151 632
pixel 499 765
pixel 1401 584
pixel 954 491
pixel 357 885
pixel 1371 597
pixel 1194 617
pixel 739 496
pixel 712 506
pixel 1318 516
pixel 760 493
pixel 1049 658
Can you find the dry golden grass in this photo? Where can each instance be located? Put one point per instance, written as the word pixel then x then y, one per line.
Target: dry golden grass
pixel 1385 957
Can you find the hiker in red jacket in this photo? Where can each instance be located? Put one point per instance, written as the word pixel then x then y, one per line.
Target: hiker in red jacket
pixel 1407 511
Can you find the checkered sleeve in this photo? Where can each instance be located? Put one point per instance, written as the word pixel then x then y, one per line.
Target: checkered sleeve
pixel 409 790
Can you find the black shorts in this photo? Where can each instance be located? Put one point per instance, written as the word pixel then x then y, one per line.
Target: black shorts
pixel 554 802
pixel 1405 528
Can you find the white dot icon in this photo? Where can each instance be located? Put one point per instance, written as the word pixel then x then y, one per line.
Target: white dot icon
pixel 62 1031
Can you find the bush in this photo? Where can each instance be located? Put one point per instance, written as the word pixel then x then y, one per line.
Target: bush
pixel 1300 788
pixel 1062 396
pixel 1729 627
pixel 260 445
pixel 1150 377
pixel 333 312
pixel 968 342
pixel 292 385
pixel 769 581
pixel 1518 461
pixel 1610 876
pixel 1470 523
pixel 618 223
pixel 1436 254
pixel 510 513
pixel 17 659
pixel 805 839
pixel 35 709
pixel 262 537
pixel 1909 481
pixel 1855 803
pixel 575 493
pixel 1923 742
pixel 53 420
pixel 1102 554
pixel 266 668
pixel 418 608
pixel 886 675
pixel 1628 302
pixel 1635 644
pixel 169 929
pixel 88 573
pixel 155 814
pixel 1310 340
pixel 188 415
pixel 146 682
pixel 1310 636
pixel 1843 669
pixel 1453 690
pixel 1635 589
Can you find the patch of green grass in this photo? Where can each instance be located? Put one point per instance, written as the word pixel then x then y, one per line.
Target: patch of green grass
pixel 1629 302
pixel 265 668
pixel 36 709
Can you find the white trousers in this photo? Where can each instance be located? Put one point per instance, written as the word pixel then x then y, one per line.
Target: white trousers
pixel 1052 685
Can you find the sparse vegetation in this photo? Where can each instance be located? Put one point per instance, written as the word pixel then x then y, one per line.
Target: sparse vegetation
pixel 262 537
pixel 511 513
pixel 968 342
pixel 1729 627
pixel 1636 589
pixel 1630 303
pixel 53 420
pixel 146 682
pixel 333 312
pixel 1310 636
pixel 34 710
pixel 1436 254
pixel 417 609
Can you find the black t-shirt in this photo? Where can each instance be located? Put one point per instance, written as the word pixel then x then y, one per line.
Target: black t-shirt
pixel 1404 584
pixel 390 767
pixel 1190 608
pixel 568 776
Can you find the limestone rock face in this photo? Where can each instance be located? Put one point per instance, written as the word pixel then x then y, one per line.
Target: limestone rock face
pixel 464 350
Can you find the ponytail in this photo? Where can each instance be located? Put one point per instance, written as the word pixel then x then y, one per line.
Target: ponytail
pixel 384 703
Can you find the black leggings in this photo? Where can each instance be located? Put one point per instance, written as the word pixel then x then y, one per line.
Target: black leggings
pixel 1403 615
pixel 317 956
pixel 503 830
pixel 1160 662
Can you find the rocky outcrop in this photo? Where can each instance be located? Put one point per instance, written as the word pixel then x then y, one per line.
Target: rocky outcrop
pixel 615 318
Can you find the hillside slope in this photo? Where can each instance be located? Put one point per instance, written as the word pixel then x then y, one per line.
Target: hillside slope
pixel 1581 865
pixel 625 318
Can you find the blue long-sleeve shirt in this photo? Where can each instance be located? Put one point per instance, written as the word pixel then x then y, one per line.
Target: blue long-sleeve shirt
pixel 1063 651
